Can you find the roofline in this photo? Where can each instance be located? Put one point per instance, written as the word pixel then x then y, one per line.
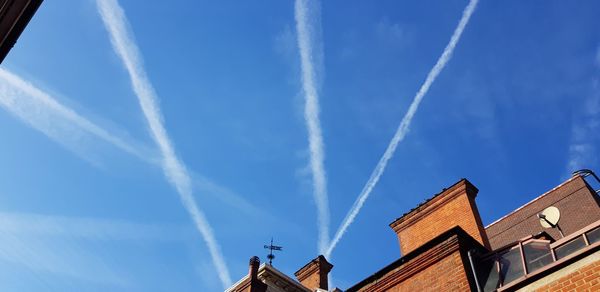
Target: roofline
pixel 17 25
pixel 311 262
pixel 532 201
pixel 271 269
pixel 424 204
pixel 239 282
pixel 454 231
pixel 280 274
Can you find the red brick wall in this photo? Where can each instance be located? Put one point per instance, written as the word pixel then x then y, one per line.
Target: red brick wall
pixel 441 265
pixel 578 206
pixel 454 213
pixel 312 282
pixel 584 279
pixel 445 275
pixel 315 274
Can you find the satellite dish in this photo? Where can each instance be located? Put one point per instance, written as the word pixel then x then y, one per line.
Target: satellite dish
pixel 549 217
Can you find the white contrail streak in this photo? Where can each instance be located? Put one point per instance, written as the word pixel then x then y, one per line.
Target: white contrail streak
pixel 116 23
pixel 404 125
pixel 311 115
pixel 42 112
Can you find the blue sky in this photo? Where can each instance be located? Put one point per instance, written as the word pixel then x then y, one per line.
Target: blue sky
pixel 87 204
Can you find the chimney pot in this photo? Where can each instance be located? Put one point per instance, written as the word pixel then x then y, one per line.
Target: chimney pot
pixel 256 285
pixel 254 264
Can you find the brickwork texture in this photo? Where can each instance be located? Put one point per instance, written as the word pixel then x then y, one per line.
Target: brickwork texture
pixel 584 279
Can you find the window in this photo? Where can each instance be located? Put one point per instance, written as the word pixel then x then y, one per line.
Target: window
pixel 569 247
pixel 487 272
pixel 505 266
pixel 537 254
pixel 511 266
pixel 594 235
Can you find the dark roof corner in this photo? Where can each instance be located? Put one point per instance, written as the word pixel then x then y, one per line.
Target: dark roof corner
pixel 14 17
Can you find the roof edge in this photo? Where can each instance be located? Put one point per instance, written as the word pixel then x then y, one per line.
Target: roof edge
pixel 462 236
pixel 449 191
pixel 534 200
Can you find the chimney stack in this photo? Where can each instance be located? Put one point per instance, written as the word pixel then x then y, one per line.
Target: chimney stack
pixel 454 206
pixel 314 275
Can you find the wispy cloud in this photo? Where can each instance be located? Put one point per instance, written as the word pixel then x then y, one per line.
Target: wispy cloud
pixel 226 195
pixel 392 35
pixel 43 112
pixel 116 23
pixel 305 14
pixel 30 224
pixel 60 246
pixel 59 257
pixel 48 244
pixel 582 152
pixel 72 251
pixel 404 125
pixel 60 123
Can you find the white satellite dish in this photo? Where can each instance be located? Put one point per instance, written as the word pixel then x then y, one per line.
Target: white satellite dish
pixel 549 217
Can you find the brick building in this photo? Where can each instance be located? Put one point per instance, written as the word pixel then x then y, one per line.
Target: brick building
pixel 265 278
pixel 445 247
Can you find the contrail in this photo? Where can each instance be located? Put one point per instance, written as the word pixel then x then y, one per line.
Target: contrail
pixel 41 111
pixel 311 116
pixel 404 125
pixel 116 23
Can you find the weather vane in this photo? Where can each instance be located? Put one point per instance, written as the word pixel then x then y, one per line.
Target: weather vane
pixel 271 248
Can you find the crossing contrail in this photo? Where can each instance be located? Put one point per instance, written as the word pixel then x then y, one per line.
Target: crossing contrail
pixel 122 40
pixel 404 125
pixel 305 30
pixel 41 111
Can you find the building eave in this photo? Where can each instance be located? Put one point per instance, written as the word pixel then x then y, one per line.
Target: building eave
pixel 14 17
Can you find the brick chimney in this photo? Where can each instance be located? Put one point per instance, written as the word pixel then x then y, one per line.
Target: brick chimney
pixel 314 274
pixel 452 207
